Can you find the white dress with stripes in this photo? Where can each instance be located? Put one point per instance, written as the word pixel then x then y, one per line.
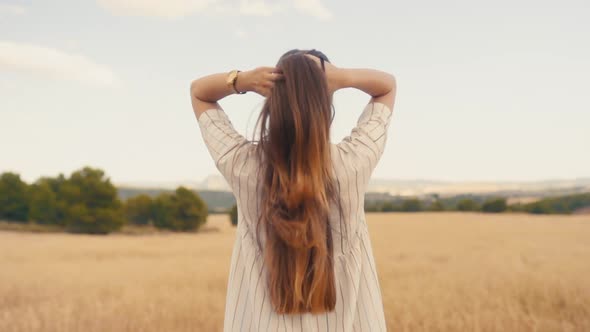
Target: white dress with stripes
pixel 359 305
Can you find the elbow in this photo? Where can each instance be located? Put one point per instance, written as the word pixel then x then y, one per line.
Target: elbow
pixel 194 88
pixel 392 82
pixel 388 85
pixel 392 85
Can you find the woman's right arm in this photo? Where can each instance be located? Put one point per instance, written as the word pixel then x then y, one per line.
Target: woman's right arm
pixel 380 85
pixel 366 142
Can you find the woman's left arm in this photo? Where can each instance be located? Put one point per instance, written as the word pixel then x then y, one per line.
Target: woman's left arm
pixel 207 90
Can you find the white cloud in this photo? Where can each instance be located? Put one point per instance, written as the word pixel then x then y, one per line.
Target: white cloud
pixel 181 8
pixel 12 9
pixel 53 63
pixel 241 33
pixel 158 8
pixel 314 8
pixel 257 8
pixel 247 8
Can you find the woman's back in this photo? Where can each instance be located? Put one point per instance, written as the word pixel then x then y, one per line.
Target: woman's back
pixel 359 305
pixel 302 258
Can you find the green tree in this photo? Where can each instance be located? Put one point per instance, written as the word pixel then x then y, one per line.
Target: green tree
pixel 181 211
pixel 233 215
pixel 370 206
pixel 467 204
pixel 191 210
pixel 515 207
pixel 43 208
pixel 91 203
pixel 14 198
pixel 411 205
pixel 436 205
pixel 139 209
pixel 58 186
pixel 163 211
pixel 388 206
pixel 558 205
pixel 494 205
pixel 539 208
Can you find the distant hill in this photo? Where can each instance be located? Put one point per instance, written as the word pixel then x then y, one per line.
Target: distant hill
pixel 211 182
pixel 418 188
pixel 217 201
pixel 216 193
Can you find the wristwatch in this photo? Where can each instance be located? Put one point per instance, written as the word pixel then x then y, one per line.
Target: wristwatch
pixel 232 78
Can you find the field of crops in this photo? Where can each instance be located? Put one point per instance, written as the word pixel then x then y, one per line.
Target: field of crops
pixel 438 272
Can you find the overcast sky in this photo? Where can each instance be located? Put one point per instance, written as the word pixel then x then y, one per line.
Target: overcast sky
pixel 487 90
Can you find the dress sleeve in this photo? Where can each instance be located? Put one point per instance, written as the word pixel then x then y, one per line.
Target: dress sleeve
pixel 366 142
pixel 224 143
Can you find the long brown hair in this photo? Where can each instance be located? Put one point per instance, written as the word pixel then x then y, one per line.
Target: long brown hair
pixel 297 188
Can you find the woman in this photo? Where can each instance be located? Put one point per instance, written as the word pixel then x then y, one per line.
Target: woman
pixel 302 258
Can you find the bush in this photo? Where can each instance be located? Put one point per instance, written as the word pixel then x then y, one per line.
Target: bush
pixel 163 211
pixel 181 211
pixel 411 205
pixel 139 209
pixel 515 207
pixel 467 204
pixel 558 205
pixel 370 206
pixel 92 203
pixel 388 206
pixel 233 215
pixel 57 185
pixel 82 219
pixel 436 205
pixel 44 206
pixel 494 205
pixel 14 199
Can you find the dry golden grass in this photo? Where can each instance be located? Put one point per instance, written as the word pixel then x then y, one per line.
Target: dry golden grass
pixel 438 272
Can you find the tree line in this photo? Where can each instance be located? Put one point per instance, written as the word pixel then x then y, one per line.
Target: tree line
pixel 87 202
pixel 554 205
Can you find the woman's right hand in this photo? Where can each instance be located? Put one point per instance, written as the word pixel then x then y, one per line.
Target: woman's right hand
pixel 380 85
pixel 334 75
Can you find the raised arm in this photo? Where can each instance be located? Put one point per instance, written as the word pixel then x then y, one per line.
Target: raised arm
pixel 207 90
pixel 380 85
pixel 366 143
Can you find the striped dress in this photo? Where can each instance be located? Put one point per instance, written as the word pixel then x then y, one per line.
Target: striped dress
pixel 359 305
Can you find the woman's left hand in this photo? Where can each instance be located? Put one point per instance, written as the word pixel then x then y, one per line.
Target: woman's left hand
pixel 260 80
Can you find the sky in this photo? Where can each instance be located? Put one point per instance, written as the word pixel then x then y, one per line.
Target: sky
pixel 487 90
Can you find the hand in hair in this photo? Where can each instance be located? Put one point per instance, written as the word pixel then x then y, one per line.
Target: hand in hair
pixel 332 74
pixel 260 80
pixel 380 85
pixel 207 90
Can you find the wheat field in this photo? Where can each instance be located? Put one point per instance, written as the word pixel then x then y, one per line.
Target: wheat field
pixel 438 272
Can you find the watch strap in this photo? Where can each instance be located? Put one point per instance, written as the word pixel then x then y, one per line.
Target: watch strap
pixel 234 83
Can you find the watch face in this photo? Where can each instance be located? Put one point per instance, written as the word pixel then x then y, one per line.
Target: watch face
pixel 232 77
